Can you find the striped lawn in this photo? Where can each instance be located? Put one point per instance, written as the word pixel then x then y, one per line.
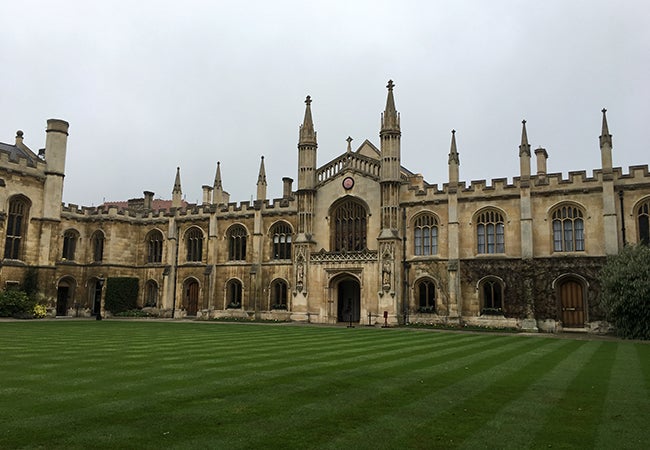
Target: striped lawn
pixel 120 384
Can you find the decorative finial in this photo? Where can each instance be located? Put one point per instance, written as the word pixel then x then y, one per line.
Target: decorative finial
pixel 262 156
pixel 349 139
pixel 308 100
pixel 19 133
pixel 453 131
pixel 604 110
pixel 390 85
pixel 524 121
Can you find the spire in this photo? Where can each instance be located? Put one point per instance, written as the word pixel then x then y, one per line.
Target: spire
pixel 261 178
pixel 307 133
pixel 261 182
pixel 524 148
pixel 605 137
pixel 453 151
pixel 390 118
pixel 177 192
pixel 217 188
pixel 177 181
pixel 217 177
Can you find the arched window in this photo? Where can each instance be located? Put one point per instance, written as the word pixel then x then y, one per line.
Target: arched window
pixel 425 235
pixel 568 229
pixel 643 219
pixel 16 227
pixel 154 246
pixel 151 294
pixel 234 294
pixel 98 246
pixel 426 292
pixel 490 232
pixel 70 238
pixel 237 243
pixel 491 292
pixel 281 233
pixel 194 244
pixel 279 294
pixel 348 229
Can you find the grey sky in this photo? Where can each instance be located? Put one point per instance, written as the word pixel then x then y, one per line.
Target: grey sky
pixel 150 85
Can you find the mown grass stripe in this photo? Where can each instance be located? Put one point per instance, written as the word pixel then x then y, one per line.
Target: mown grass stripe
pixel 339 403
pixel 626 413
pixel 516 423
pixel 577 413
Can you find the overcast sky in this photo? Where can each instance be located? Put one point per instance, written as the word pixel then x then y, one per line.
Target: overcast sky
pixel 151 85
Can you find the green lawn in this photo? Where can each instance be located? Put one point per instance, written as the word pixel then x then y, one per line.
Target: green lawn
pixel 122 384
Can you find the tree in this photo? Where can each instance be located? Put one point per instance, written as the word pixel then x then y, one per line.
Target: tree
pixel 625 293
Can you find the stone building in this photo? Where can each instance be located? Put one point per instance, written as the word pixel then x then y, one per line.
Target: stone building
pixel 358 238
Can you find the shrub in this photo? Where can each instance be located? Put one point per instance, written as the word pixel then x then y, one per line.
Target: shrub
pixel 39 311
pixel 626 292
pixel 14 303
pixel 121 294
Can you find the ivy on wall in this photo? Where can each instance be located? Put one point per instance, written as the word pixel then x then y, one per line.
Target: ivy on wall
pixel 121 294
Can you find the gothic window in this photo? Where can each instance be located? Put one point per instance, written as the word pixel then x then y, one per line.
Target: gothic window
pixel 281 233
pixel 70 238
pixel 279 294
pixel 98 246
pixel 491 291
pixel 425 235
pixel 237 243
pixel 154 246
pixel 194 244
pixel 426 292
pixel 490 232
pixel 151 294
pixel 348 226
pixel 234 293
pixel 16 227
pixel 568 229
pixel 643 217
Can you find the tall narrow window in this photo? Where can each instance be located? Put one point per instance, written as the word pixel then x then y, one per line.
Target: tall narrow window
pixel 490 232
pixel 194 243
pixel 154 246
pixel 237 243
pixel 281 233
pixel 568 229
pixel 234 294
pixel 70 238
pixel 425 235
pixel 643 218
pixel 491 296
pixel 151 294
pixel 279 295
pixel 348 229
pixel 98 246
pixel 426 292
pixel 16 227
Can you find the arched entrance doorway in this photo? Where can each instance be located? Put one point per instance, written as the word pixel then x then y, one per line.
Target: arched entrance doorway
pixel 191 297
pixel 64 296
pixel 572 303
pixel 95 295
pixel 348 295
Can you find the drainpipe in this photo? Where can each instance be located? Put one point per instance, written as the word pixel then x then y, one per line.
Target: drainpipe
pixel 175 278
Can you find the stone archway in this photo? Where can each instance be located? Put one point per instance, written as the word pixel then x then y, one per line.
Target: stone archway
pixel 348 299
pixel 64 296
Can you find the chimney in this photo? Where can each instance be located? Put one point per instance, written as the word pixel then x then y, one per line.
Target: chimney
pixel 148 200
pixel 542 156
pixel 207 193
pixel 286 187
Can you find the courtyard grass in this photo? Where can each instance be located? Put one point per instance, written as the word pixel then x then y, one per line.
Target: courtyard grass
pixel 127 384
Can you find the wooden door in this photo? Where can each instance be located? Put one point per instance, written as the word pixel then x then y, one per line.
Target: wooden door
pixel 192 298
pixel 572 300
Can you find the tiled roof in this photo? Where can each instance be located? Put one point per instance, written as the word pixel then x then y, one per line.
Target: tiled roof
pixel 15 153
